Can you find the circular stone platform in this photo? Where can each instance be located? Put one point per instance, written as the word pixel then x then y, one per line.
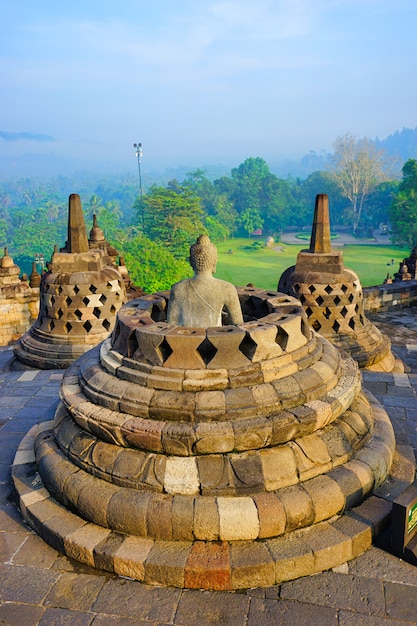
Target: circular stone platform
pixel 212 458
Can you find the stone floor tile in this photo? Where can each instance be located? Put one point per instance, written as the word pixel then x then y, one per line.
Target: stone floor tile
pixel 63 617
pixel 16 614
pixel 116 620
pixel 12 401
pixel 9 545
pixel 283 612
pixel 212 607
pixel 137 600
pixel 401 601
pixel 34 552
pixel 75 591
pixel 8 445
pixel 11 520
pixel 346 618
pixel 17 426
pixel 26 584
pixel 341 591
pixel 376 563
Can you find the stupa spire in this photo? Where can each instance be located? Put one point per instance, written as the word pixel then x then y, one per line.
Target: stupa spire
pixel 320 234
pixel 77 234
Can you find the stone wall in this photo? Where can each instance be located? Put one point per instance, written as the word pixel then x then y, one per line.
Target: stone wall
pixel 19 306
pixel 390 296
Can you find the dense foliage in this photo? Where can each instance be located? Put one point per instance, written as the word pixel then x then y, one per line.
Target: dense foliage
pixel 154 231
pixel 403 210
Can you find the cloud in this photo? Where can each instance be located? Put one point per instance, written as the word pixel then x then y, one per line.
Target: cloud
pixel 25 136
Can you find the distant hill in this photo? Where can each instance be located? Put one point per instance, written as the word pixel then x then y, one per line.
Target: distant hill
pixel 401 143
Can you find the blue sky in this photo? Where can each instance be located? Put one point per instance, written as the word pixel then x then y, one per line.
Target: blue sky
pixel 202 81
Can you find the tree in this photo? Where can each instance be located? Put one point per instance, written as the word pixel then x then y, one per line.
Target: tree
pixel 151 266
pixel 357 167
pixel 403 210
pixel 251 220
pixel 173 217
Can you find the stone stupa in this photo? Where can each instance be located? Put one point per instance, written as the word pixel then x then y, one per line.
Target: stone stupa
pixel 218 457
pixel 79 299
pixel 331 295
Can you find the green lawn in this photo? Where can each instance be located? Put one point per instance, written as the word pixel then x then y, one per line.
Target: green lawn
pixel 263 266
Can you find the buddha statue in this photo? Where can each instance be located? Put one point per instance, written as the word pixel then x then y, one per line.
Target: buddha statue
pixel 200 300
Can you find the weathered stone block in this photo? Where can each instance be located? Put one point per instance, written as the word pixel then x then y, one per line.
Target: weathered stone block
pixel 247 471
pixel 127 512
pixel 326 495
pixel 252 565
pixel 206 519
pixel 299 509
pixel 271 514
pixel 216 475
pixel 93 500
pixel 178 438
pixel 279 467
pixel 293 557
pixel 165 563
pixel 208 567
pixel 182 518
pixel 213 438
pixel 81 543
pixel 181 476
pixel 238 519
pixel 129 559
pixel 330 547
pixel 252 434
pixel 359 532
pixel 159 517
pixel 210 405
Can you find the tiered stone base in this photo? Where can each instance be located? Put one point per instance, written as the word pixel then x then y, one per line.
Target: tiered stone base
pixel 216 565
pixel 213 458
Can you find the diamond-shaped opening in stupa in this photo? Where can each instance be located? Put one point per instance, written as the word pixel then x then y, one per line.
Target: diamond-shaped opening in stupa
pixel 207 351
pixel 248 346
pixel 282 338
pixel 165 350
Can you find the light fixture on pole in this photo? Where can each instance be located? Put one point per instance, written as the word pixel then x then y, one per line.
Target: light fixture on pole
pixel 138 154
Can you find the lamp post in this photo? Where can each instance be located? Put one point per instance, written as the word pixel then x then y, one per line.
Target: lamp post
pixel 138 154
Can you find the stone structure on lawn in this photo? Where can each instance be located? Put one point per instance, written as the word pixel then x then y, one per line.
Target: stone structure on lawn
pixel 408 268
pixel 331 295
pixel 19 301
pixel 224 457
pixel 80 296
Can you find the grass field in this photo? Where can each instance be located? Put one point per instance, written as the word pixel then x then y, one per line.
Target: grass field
pixel 263 266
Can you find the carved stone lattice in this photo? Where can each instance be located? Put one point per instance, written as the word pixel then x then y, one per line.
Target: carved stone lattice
pixel 332 298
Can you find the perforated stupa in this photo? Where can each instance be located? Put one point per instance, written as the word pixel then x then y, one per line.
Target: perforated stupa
pixel 79 299
pixel 331 295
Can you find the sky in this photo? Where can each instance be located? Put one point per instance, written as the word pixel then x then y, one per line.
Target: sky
pixel 200 81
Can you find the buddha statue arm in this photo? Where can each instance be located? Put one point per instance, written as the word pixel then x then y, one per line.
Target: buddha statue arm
pixel 174 309
pixel 232 305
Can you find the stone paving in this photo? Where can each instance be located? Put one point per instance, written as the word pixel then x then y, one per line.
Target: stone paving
pixel 38 586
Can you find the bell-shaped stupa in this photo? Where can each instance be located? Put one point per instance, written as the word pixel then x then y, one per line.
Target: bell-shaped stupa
pixel 79 299
pixel 219 457
pixel 331 295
